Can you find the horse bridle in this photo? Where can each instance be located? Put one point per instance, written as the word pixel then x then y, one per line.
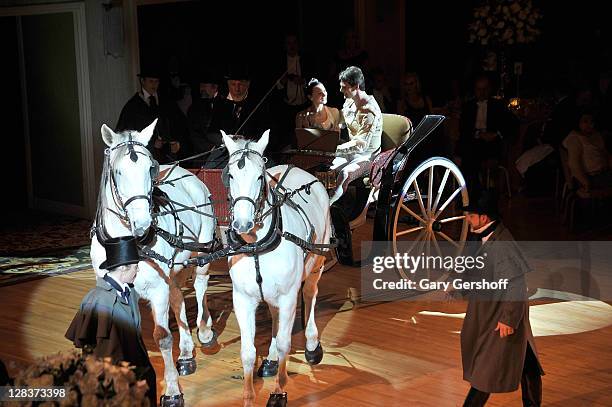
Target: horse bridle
pixel 154 171
pixel 226 176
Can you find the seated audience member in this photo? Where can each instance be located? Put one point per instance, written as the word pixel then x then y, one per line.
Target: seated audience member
pixel 413 103
pixel 589 161
pixel 485 122
pixel 383 94
pixel 108 321
pixel 200 115
pixel 565 114
pixel 363 119
pixel 318 115
pixel 146 106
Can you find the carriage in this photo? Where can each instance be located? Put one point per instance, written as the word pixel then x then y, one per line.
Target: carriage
pixel 172 214
pixel 408 201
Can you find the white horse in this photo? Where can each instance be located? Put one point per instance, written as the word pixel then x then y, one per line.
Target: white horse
pixel 125 208
pixel 285 267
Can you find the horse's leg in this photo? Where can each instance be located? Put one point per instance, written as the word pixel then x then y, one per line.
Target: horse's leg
pixel 186 363
pixel 206 335
pixel 269 366
pixel 244 308
pixel 286 316
pixel 159 296
pixel 314 351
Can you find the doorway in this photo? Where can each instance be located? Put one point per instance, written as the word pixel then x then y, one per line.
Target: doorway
pixel 49 155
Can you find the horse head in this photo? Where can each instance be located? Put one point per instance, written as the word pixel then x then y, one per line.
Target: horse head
pixel 245 176
pixel 131 173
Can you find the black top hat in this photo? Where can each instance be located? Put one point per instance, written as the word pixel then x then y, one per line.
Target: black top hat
pixel 485 203
pixel 209 76
pixel 149 71
pixel 238 72
pixel 120 251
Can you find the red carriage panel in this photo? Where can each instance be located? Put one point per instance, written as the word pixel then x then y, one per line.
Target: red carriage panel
pixel 212 179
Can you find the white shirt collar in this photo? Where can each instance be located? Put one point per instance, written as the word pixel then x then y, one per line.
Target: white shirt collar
pixel 482 229
pixel 123 285
pixel 146 95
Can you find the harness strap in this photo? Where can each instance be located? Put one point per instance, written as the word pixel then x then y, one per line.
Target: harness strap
pixel 152 254
pixel 316 248
pixel 258 277
pixel 176 241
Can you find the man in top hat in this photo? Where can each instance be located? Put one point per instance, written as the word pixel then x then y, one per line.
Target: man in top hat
pixel 200 114
pixel 146 106
pixel 236 114
pixel 108 321
pixel 497 345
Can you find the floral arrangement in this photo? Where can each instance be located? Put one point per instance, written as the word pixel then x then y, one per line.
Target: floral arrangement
pixel 504 22
pixel 90 381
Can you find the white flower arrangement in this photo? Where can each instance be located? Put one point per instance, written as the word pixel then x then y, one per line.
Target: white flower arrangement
pixel 504 22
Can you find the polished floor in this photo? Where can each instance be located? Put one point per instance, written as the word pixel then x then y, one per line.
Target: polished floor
pixel 377 354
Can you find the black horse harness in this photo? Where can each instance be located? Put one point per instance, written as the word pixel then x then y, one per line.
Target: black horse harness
pixel 279 196
pixel 157 199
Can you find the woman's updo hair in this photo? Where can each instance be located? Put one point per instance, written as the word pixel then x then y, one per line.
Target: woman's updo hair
pixel 311 84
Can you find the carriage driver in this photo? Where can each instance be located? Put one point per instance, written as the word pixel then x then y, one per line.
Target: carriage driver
pixel 363 119
pixel 108 321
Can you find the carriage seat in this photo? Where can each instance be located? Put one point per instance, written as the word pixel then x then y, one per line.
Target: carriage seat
pixel 396 130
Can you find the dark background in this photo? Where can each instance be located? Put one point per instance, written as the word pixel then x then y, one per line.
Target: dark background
pixel 575 40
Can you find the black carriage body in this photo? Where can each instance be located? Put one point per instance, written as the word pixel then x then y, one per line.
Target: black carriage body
pixel 395 174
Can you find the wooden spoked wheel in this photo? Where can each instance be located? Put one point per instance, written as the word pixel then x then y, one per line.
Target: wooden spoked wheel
pixel 429 210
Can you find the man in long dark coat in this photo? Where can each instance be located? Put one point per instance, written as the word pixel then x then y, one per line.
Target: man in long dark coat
pixel 497 345
pixel 108 321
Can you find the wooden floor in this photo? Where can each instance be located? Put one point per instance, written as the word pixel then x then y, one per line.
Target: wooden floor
pixel 377 354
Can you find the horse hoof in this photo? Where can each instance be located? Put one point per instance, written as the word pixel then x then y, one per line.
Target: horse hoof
pixel 210 344
pixel 186 367
pixel 277 400
pixel 268 368
pixel 314 357
pixel 172 401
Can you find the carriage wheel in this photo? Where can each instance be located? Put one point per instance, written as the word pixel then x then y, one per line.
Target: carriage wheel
pixel 429 211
